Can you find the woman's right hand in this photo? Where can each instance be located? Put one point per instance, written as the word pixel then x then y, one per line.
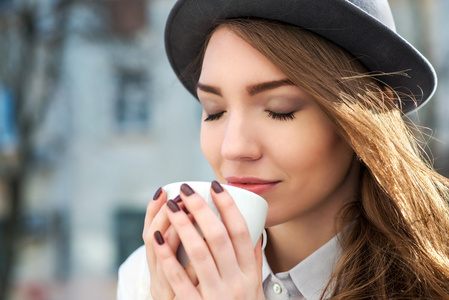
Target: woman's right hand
pixel 156 220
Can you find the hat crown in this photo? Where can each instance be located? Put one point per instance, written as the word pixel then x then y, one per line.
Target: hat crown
pixel 364 28
pixel 379 9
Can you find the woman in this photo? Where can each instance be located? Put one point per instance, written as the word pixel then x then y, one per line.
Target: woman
pixel 304 103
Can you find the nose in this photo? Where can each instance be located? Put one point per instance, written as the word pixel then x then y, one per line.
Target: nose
pixel 241 140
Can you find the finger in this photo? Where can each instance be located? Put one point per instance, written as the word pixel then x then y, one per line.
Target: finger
pixel 236 227
pixel 170 235
pixel 172 238
pixel 190 270
pixel 154 207
pixel 194 245
pixel 215 233
pixel 259 258
pixel 161 223
pixel 172 269
pixel 156 217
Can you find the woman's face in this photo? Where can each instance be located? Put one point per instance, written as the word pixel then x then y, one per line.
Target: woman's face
pixel 264 134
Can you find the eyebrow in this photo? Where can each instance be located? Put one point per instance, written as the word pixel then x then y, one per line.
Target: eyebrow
pixel 252 90
pixel 208 89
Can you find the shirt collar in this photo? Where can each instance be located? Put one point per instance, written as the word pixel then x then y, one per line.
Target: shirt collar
pixel 312 274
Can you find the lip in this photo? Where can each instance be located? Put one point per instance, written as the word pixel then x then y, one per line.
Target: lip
pixel 252 184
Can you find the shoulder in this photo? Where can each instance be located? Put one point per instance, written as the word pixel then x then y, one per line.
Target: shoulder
pixel 134 277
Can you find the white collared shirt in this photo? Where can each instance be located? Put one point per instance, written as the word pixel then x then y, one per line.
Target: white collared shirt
pixel 306 280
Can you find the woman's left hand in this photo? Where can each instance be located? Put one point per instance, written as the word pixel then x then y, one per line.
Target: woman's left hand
pixel 225 262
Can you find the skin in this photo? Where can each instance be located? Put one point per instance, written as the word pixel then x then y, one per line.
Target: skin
pixel 260 132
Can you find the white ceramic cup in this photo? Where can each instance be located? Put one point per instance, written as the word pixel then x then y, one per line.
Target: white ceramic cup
pixel 252 206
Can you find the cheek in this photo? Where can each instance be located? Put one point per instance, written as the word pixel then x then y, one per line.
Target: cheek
pixel 321 144
pixel 316 158
pixel 324 168
pixel 211 147
pixel 326 154
pixel 327 148
pixel 304 145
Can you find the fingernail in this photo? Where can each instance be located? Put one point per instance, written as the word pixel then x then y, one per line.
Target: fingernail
pixel 177 199
pixel 173 206
pixel 157 194
pixel 216 186
pixel 186 189
pixel 159 238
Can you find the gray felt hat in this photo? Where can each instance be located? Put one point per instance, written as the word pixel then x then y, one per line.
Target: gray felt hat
pixel 365 28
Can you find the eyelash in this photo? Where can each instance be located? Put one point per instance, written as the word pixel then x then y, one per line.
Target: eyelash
pixel 214 117
pixel 281 117
pixel 275 116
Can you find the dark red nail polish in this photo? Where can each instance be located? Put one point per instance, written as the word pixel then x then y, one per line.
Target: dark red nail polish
pixel 177 199
pixel 173 206
pixel 186 189
pixel 157 194
pixel 159 238
pixel 216 186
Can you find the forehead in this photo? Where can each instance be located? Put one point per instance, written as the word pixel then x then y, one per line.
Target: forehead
pixel 227 55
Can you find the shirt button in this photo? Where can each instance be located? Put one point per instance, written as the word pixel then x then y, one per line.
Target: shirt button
pixel 277 288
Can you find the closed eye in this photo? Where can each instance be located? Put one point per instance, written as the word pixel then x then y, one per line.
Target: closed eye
pixel 214 117
pixel 281 116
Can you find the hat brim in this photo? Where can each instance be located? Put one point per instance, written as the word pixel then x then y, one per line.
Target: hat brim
pixel 378 47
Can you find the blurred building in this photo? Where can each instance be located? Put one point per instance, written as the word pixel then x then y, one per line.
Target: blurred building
pixel 116 126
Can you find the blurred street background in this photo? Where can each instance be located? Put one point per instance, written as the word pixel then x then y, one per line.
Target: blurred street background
pixel 93 121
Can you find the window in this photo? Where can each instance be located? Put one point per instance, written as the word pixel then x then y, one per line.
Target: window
pixel 132 111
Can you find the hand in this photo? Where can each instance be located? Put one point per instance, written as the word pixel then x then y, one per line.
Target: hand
pixel 225 263
pixel 156 220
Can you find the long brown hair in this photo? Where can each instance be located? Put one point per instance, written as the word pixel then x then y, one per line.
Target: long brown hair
pixel 398 245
